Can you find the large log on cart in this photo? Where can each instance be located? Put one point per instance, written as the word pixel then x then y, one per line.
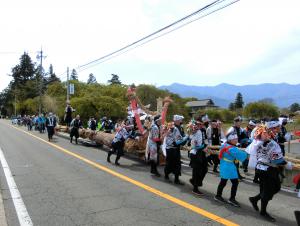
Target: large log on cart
pixel 103 138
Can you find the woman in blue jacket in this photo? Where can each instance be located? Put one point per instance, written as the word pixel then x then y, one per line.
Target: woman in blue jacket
pixel 228 153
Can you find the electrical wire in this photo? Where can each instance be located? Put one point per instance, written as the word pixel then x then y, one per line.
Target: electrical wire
pixel 148 38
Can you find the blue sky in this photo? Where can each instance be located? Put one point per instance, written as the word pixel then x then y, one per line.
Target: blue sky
pixel 250 42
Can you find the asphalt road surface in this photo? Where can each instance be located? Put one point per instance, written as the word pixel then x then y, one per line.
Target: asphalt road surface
pixel 60 183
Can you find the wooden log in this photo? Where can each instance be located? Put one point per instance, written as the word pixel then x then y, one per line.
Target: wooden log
pixel 60 128
pixel 297 161
pixel 103 138
pixel 133 145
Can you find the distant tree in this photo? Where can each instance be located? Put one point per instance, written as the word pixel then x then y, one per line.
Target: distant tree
pixel 261 110
pixel 92 79
pixel 114 80
pixel 231 107
pixel 52 76
pixel 295 107
pixel 74 75
pixel 24 71
pixel 239 103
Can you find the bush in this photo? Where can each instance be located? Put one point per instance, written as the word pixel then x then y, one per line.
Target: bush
pixel 224 115
pixel 261 110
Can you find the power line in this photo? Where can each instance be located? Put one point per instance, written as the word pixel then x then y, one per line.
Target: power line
pixel 150 37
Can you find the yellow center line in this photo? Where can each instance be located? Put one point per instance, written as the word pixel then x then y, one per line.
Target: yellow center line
pixel 139 184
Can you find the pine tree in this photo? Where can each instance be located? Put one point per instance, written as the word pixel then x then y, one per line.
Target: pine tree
pixel 114 80
pixel 231 106
pixel 52 76
pixel 239 103
pixel 295 107
pixel 74 75
pixel 92 79
pixel 24 71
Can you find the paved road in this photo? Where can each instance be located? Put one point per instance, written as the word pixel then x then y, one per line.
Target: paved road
pixel 67 184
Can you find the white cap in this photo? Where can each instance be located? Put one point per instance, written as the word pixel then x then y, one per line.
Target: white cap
pixel 178 117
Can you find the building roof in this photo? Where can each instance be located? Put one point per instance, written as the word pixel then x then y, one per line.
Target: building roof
pixel 200 103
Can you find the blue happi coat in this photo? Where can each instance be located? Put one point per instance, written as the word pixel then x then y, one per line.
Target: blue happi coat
pixel 227 168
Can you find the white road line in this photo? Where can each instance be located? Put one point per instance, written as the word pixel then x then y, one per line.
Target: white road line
pixel 23 216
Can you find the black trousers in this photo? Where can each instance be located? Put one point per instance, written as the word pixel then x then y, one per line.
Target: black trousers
pixel 173 162
pixel 118 149
pixel 50 130
pixel 199 165
pixel 269 185
pixel 282 149
pixel 234 187
pixel 74 132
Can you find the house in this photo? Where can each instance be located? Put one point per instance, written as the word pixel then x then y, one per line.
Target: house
pixel 200 105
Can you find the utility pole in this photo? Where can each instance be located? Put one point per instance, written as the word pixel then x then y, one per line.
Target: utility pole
pixel 15 104
pixel 40 57
pixel 68 86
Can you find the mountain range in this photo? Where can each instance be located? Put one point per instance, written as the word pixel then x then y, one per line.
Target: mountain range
pixel 283 94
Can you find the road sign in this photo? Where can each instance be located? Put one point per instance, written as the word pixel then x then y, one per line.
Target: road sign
pixel 72 89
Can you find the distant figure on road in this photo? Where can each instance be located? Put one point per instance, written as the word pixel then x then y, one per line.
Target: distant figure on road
pixel 68 114
pixel 75 125
pixel 92 124
pixel 50 124
pixel 41 123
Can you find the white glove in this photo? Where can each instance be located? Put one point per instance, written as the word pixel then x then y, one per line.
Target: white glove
pixel 289 166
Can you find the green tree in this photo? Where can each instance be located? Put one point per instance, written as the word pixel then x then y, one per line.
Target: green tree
pixel 231 107
pixel 115 80
pixel 24 71
pixel 74 75
pixel 261 110
pixel 92 79
pixel 52 76
pixel 239 103
pixel 227 115
pixel 295 107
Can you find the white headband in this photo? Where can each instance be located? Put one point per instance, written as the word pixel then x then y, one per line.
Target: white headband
pixel 251 123
pixel 178 117
pixel 272 124
pixel 232 136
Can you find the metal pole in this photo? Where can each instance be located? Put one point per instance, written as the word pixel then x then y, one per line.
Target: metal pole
pixel 68 86
pixel 41 81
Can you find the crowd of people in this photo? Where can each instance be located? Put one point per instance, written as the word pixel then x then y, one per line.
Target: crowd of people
pixel 260 146
pixel 261 143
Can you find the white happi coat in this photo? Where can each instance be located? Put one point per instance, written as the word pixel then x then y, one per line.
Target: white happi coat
pixel 121 136
pixel 196 140
pixel 151 149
